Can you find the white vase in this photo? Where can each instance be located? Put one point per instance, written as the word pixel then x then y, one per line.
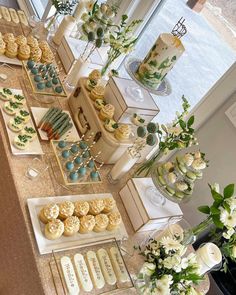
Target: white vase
pixel 78 70
pixel 124 164
pixel 64 29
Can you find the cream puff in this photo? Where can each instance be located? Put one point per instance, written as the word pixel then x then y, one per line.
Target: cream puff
pixel 54 229
pixel 96 206
pixel 71 225
pixel 21 40
pixel 9 37
pixel 81 208
pixel 44 45
pixel 2 46
pixel 49 212
pixel 114 220
pixel 47 56
pixel 107 112
pixel 109 205
pixel 87 224
pixel 36 54
pixel 122 132
pixel 66 209
pixel 24 52
pixel 11 50
pixel 32 42
pixel 101 223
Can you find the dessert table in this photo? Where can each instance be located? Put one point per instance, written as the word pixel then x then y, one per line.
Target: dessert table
pixel 41 280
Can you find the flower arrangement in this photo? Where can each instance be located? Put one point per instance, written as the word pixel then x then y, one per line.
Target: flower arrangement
pixel 222 216
pixel 178 135
pixel 121 40
pixel 166 271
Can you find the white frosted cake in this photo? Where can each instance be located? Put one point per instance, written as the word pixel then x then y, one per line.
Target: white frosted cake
pixel 160 60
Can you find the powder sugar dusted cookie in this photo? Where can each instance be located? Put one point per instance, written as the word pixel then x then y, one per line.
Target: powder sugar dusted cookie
pixel 22 17
pixel 118 265
pixel 14 15
pixel 95 270
pixel 106 266
pixel 83 273
pixel 69 275
pixel 5 13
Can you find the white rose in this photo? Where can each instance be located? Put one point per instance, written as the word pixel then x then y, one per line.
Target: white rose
pixel 148 268
pixel 234 251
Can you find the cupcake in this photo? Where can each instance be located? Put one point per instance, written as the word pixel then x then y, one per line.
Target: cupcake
pixel 93 79
pixel 99 104
pixel 47 56
pixel 71 225
pixel 81 208
pixel 109 205
pixel 66 209
pixel 97 92
pixel 24 52
pixel 101 223
pixel 2 47
pixel 122 132
pixel 36 54
pixel 11 50
pixel 114 220
pixel 107 112
pixel 21 40
pixel 32 42
pixel 87 224
pixel 49 212
pixel 96 206
pixel 9 37
pixel 54 229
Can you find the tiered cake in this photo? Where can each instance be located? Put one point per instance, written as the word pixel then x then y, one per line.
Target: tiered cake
pixel 160 60
pixel 176 179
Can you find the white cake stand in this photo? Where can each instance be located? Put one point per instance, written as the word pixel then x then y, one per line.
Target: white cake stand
pixel 164 89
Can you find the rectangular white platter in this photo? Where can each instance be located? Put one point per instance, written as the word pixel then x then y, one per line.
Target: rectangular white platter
pixel 38 113
pixel 34 147
pixel 46 246
pixel 10 61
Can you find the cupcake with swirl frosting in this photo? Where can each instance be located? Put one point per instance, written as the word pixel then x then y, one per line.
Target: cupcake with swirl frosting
pixel 49 212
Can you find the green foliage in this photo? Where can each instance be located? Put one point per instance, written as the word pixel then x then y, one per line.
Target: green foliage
pixel 64 7
pixel 228 191
pixel 204 209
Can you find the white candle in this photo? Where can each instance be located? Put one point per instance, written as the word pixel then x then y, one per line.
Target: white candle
pixel 123 165
pixel 65 28
pixel 173 230
pixel 78 70
pixel 208 256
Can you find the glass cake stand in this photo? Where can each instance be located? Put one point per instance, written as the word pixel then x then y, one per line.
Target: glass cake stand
pixel 164 89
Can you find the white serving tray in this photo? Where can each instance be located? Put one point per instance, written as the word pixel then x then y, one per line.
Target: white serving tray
pixel 11 61
pixel 38 113
pixel 46 246
pixel 34 147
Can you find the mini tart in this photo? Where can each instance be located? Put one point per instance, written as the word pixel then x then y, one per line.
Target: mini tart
pixel 66 209
pixel 49 212
pixel 19 99
pixel 96 206
pixel 54 229
pixel 93 79
pixel 137 120
pixel 29 132
pixel 114 220
pixel 10 107
pixel 9 37
pixel 107 112
pixel 81 208
pixel 122 132
pixel 24 52
pixel 2 46
pixel 21 142
pixel 5 94
pixel 11 50
pixel 32 42
pixel 36 54
pixel 109 205
pixel 99 104
pixel 97 92
pixel 101 223
pixel 16 124
pixel 87 224
pixel 21 40
pixel 24 115
pixel 71 225
pixel 47 56
pixel 110 125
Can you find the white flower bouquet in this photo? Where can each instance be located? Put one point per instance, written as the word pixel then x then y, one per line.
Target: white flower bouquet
pixel 166 271
pixel 222 218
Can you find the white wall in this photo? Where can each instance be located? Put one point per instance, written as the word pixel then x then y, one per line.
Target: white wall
pixel 217 138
